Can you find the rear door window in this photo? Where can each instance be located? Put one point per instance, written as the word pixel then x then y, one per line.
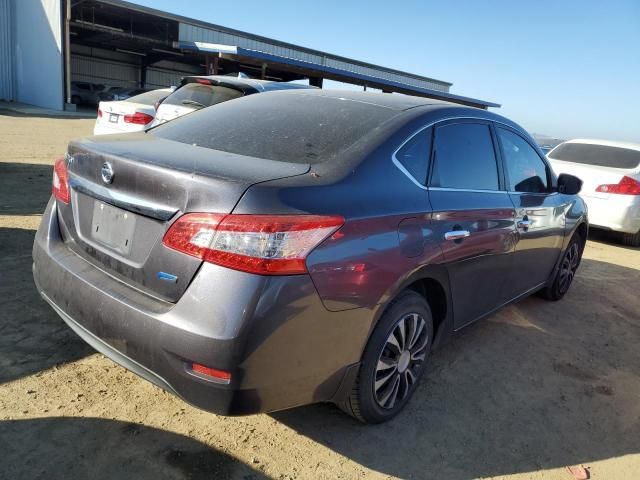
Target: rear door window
pixel 598 155
pixel 526 172
pixel 464 157
pixel 414 155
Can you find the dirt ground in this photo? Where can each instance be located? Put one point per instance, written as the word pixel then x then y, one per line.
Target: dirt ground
pixel 535 388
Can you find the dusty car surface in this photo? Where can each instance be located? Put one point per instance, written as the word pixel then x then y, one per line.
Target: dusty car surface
pixel 314 246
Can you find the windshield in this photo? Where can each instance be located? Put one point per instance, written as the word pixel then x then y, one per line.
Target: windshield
pixel 598 155
pixel 197 95
pixel 279 126
pixel 149 98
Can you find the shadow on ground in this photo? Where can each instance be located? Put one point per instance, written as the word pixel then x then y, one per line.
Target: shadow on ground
pixel 539 385
pixel 83 112
pixel 91 448
pixel 32 337
pixel 26 188
pixel 610 238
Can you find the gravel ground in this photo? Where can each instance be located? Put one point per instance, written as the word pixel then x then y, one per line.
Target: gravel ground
pixel 533 389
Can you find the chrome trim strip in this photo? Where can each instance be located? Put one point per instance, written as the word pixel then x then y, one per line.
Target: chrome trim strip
pixel 399 165
pixel 127 202
pixel 443 189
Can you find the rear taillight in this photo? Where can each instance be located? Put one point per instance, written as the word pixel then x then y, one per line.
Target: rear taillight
pixel 138 118
pixel 263 244
pixel 60 188
pixel 626 186
pixel 203 81
pixel 99 113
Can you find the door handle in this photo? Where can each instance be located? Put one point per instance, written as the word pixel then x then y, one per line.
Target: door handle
pixel 524 224
pixel 457 234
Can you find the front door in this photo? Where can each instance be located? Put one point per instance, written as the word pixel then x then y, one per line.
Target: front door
pixel 540 213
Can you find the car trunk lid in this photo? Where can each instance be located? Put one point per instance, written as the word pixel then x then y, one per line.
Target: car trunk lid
pixel 127 189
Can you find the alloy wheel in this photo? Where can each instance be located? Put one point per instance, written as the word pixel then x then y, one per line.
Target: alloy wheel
pixel 400 360
pixel 568 267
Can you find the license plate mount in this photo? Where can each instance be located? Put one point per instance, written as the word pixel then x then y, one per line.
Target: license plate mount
pixel 113 117
pixel 113 227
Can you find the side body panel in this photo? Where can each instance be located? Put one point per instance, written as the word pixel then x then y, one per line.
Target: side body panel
pixel 480 264
pixel 539 245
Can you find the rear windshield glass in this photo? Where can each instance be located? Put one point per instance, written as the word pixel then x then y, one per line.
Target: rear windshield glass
pixel 197 95
pixel 279 126
pixel 149 98
pixel 599 155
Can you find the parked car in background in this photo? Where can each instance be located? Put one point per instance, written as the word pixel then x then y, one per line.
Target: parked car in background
pixel 195 93
pixel 302 246
pixel 545 148
pixel 86 92
pixel 131 115
pixel 120 93
pixel 611 175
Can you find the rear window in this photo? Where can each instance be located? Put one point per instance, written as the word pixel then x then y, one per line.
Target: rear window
pixel 283 126
pixel 598 155
pixel 197 95
pixel 149 98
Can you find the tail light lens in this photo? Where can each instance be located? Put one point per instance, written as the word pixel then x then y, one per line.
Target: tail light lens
pixel 212 373
pixel 138 118
pixel 626 186
pixel 262 244
pixel 99 113
pixel 60 188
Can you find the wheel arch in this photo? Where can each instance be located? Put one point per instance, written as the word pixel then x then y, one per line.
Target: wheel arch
pixel 432 282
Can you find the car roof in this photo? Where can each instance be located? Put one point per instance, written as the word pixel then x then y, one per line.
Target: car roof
pixel 259 85
pixel 608 143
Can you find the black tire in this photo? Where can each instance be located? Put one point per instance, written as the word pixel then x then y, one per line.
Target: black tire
pixel 569 264
pixel 368 404
pixel 631 239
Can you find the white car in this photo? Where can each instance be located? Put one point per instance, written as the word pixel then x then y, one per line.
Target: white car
pixel 611 175
pixel 195 93
pixel 131 115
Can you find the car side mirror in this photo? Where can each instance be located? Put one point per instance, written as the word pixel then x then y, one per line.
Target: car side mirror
pixel 569 184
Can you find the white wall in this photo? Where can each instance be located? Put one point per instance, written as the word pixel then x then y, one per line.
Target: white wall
pixel 38 73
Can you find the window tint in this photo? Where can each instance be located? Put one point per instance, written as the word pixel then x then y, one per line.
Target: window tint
pixel 525 169
pixel 195 94
pixel 465 158
pixel 600 155
pixel 284 125
pixel 414 155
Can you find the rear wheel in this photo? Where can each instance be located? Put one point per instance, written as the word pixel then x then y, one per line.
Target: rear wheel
pixel 393 360
pixel 631 239
pixel 567 271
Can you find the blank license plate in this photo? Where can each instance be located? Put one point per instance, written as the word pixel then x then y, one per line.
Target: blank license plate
pixel 113 118
pixel 112 227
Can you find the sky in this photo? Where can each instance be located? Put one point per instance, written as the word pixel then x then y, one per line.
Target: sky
pixel 562 68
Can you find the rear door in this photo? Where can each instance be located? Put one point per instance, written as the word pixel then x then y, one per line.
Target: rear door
pixel 473 216
pixel 540 212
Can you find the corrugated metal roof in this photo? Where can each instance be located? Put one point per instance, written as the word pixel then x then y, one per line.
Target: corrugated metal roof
pixel 319 67
pixel 256 42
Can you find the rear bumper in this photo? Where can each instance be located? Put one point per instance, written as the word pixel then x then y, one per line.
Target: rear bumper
pixel 282 347
pixel 106 129
pixel 620 213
